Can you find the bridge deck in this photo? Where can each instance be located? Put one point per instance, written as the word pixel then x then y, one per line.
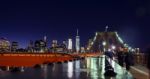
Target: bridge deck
pixel 139 72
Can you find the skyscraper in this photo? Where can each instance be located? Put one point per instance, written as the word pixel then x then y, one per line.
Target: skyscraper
pixel 69 44
pixel 4 45
pixel 31 46
pixel 77 42
pixel 45 40
pixel 40 46
pixel 14 46
pixel 54 43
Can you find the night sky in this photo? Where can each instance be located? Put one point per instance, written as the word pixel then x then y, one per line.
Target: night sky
pixel 23 21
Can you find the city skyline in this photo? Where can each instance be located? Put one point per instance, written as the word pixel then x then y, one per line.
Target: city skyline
pixel 23 21
pixel 74 39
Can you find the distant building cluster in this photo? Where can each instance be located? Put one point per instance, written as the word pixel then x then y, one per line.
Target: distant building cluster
pixel 42 46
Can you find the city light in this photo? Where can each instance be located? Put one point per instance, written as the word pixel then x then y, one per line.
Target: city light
pixel 96 33
pixel 129 48
pixel 113 47
pixel 92 43
pixel 125 45
pixel 109 50
pixel 95 38
pixel 133 50
pixel 70 44
pixel 88 48
pixel 75 39
pixel 104 43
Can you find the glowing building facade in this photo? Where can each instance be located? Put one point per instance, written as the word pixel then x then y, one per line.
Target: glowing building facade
pixel 14 46
pixel 77 42
pixel 69 44
pixel 4 45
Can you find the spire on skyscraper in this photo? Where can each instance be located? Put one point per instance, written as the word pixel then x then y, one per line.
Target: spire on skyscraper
pixel 106 28
pixel 45 38
pixel 77 32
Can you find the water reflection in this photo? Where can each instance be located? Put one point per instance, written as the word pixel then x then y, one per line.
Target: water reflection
pixel 70 69
pixel 77 65
pixel 77 69
pixel 45 72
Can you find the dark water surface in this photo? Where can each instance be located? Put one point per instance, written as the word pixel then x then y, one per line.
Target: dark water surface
pixel 90 68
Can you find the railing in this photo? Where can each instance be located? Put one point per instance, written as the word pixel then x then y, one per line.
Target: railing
pixel 140 58
pixel 35 54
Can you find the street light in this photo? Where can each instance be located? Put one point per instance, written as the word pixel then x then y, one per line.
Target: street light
pixel 113 47
pixel 104 43
pixel 109 50
pixel 129 48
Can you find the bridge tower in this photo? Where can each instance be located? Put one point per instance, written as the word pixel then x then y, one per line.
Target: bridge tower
pixel 105 40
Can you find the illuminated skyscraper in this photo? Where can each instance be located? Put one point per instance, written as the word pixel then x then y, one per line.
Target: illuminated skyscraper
pixel 77 42
pixel 54 43
pixel 31 46
pixel 14 46
pixel 45 40
pixel 65 43
pixel 40 46
pixel 69 44
pixel 4 45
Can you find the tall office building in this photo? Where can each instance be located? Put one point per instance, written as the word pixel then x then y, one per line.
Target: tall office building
pixel 45 40
pixel 31 46
pixel 4 45
pixel 54 43
pixel 14 46
pixel 77 42
pixel 65 44
pixel 69 44
pixel 40 46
